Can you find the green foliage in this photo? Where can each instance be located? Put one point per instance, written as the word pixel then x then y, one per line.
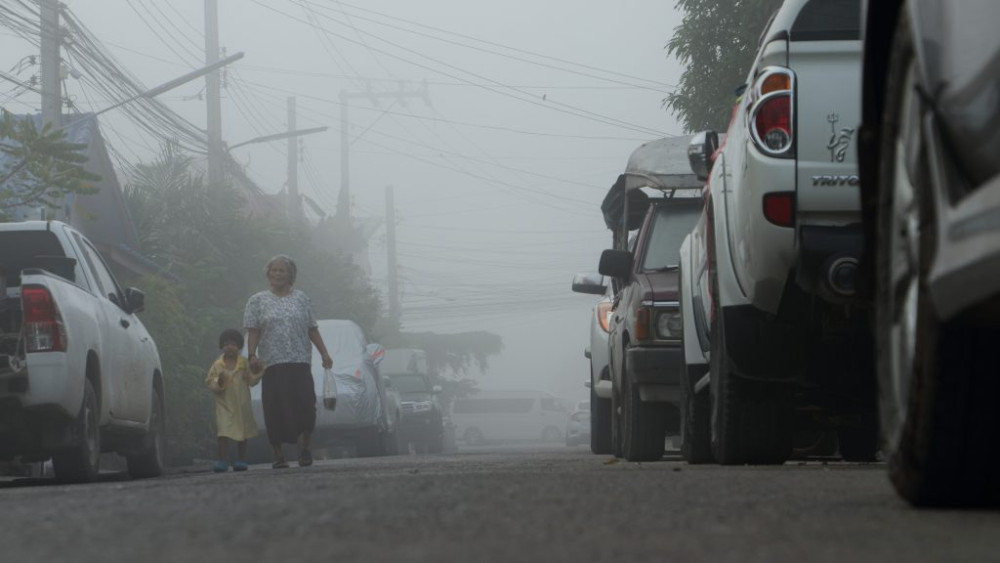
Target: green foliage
pixel 202 235
pixel 40 168
pixel 717 42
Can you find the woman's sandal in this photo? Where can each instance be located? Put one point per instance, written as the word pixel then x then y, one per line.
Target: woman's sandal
pixel 305 458
pixel 280 464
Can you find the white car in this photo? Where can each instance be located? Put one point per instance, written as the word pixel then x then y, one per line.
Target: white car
pixel 597 352
pixel 775 343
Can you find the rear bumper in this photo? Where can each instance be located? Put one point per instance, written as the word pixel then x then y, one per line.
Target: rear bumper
pixel 46 382
pixel 826 254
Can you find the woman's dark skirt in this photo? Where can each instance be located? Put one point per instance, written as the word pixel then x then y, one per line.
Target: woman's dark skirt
pixel 289 401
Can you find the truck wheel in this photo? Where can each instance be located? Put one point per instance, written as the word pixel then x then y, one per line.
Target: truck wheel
pixel 696 422
pixel 600 424
pixel 81 462
pixel 859 443
pixel 616 422
pixel 371 443
pixel 751 421
pixel 474 436
pixel 937 381
pixel 149 460
pixel 644 425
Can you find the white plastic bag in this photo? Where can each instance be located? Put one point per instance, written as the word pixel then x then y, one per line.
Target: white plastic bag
pixel 329 390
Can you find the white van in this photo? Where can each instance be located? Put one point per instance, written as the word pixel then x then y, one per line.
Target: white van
pixel 508 416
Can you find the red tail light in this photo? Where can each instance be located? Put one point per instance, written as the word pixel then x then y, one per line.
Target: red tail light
pixel 772 123
pixel 779 208
pixel 43 326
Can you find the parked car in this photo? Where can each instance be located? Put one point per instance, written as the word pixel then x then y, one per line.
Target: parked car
pixel 79 373
pixel 645 355
pixel 491 416
pixel 777 342
pixel 578 425
pixel 422 422
pixel 930 184
pixel 367 411
pixel 599 381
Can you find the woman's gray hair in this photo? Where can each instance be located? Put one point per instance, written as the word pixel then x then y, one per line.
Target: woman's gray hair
pixel 289 263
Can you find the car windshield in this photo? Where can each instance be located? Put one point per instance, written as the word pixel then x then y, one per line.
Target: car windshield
pixel 409 383
pixel 671 224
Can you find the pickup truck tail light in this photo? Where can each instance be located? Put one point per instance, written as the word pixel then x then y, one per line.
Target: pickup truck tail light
pixel 772 120
pixel 779 208
pixel 43 325
pixel 604 315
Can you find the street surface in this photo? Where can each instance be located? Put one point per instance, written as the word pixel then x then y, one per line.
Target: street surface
pixel 516 503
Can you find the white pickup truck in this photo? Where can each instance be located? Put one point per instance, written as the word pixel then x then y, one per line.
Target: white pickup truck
pixel 79 373
pixel 776 343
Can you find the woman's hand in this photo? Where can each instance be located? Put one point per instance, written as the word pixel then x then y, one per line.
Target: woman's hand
pixel 327 361
pixel 255 364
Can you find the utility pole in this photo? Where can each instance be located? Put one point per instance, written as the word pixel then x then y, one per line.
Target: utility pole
pixel 213 94
pixel 51 88
pixel 390 238
pixel 294 206
pixel 344 198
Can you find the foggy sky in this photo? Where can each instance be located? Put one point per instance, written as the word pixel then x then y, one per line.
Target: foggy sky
pixel 497 190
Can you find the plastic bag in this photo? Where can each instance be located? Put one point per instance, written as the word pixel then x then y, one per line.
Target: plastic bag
pixel 329 389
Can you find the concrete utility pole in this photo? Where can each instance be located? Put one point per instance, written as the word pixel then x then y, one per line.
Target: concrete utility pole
pixel 344 198
pixel 390 244
pixel 213 94
pixel 294 207
pixel 51 88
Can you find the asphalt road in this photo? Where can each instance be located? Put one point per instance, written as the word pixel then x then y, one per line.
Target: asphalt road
pixel 500 504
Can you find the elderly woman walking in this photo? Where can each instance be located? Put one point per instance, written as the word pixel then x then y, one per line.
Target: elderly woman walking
pixel 280 334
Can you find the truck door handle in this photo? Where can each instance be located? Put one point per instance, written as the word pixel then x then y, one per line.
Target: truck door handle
pixel 124 323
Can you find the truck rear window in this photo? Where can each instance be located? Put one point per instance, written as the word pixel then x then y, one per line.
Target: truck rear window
pixel 672 223
pixel 828 20
pixel 33 249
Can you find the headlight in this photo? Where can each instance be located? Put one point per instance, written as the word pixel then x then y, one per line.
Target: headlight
pixel 669 325
pixel 422 406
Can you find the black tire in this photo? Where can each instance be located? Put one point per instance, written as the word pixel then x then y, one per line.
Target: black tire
pixel 696 421
pixel 551 434
pixel 937 397
pixel 644 425
pixel 600 424
pixel 751 420
pixel 860 442
pixel 82 462
pixel 474 437
pixel 617 438
pixel 371 443
pixel 150 459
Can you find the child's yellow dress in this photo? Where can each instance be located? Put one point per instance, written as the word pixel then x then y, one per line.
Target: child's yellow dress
pixel 233 415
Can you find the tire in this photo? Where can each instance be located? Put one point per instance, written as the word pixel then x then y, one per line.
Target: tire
pixel 644 425
pixel 149 460
pixel 860 443
pixel 600 424
pixel 81 462
pixel 371 443
pixel 696 422
pixel 474 437
pixel 616 422
pixel 937 380
pixel 551 434
pixel 751 420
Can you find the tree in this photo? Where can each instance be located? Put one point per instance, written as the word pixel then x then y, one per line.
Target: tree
pixel 39 168
pixel 717 42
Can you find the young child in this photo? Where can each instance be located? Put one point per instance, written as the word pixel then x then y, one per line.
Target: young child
pixel 231 379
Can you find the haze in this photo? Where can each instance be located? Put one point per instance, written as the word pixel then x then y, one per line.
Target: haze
pixel 531 111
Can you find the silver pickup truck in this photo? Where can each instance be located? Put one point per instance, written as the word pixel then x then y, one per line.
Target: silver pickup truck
pixel 79 373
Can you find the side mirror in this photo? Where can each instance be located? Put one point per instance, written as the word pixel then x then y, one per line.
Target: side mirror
pixel 135 300
pixel 589 283
pixel 436 389
pixel 586 352
pixel 616 263
pixel 703 145
pixel 587 384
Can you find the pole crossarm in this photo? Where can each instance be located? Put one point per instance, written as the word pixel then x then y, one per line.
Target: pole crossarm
pixel 279 136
